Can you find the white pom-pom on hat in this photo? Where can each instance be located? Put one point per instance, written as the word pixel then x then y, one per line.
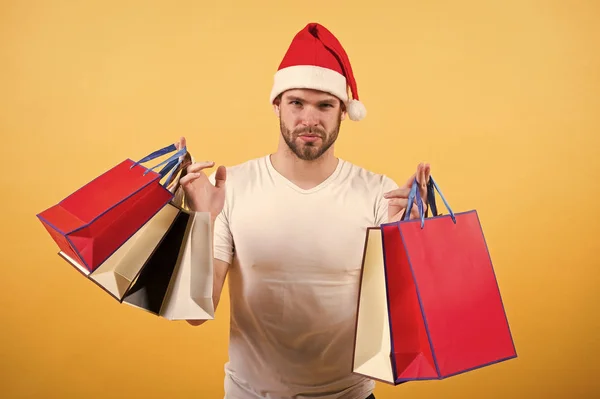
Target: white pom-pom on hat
pixel 356 110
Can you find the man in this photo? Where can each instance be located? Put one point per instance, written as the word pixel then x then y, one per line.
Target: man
pixel 289 230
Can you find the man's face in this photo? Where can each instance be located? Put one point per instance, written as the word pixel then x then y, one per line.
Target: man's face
pixel 309 121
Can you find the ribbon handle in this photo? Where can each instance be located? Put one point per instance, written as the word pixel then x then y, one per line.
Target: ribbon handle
pixel 171 163
pixel 411 198
pixel 437 188
pixel 156 154
pixel 174 157
pixel 431 187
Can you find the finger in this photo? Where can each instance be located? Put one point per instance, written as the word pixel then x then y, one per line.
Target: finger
pixel 410 181
pixel 189 178
pixel 419 173
pixel 181 143
pixel 422 181
pixel 415 176
pixel 401 202
pixel 401 192
pixel 198 166
pixel 220 176
pixel 401 214
pixel 414 213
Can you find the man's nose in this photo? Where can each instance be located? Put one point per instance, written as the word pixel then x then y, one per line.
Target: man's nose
pixel 310 117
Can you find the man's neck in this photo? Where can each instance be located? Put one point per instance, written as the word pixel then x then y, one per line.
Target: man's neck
pixel 304 174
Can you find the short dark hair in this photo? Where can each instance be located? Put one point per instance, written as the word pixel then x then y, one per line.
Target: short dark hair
pixel 277 100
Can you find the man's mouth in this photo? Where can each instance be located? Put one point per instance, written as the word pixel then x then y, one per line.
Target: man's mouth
pixel 309 137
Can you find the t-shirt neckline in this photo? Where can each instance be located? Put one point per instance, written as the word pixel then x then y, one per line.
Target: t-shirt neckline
pixel 290 184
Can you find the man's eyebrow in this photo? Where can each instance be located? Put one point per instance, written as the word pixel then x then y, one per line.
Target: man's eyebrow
pixel 329 100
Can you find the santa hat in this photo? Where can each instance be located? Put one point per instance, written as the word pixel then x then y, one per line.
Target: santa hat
pixel 316 60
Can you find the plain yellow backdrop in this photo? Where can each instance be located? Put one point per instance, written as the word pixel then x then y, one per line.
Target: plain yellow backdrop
pixel 502 98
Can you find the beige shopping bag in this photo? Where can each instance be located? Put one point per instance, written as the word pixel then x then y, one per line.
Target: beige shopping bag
pixel 177 282
pixel 165 269
pixel 372 347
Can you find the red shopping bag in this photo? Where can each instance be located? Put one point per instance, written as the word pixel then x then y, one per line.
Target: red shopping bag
pixel 429 303
pixel 94 221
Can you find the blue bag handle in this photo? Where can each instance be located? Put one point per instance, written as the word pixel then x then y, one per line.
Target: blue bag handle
pixel 411 198
pixel 170 163
pixel 171 166
pixel 157 153
pixel 430 198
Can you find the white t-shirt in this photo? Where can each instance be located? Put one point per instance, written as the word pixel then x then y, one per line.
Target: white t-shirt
pixel 295 257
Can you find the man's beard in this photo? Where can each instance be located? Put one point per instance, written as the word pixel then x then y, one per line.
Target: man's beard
pixel 309 151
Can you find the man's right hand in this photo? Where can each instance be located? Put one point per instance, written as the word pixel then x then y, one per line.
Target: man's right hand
pixel 201 195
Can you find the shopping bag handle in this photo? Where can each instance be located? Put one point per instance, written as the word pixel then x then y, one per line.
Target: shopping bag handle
pixel 169 168
pixel 430 199
pixel 171 163
pixel 174 157
pixel 156 154
pixel 411 198
pixel 175 166
pixel 172 180
pixel 159 153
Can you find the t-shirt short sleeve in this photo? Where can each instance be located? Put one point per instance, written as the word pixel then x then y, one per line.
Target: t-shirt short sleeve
pixel 223 240
pixel 381 213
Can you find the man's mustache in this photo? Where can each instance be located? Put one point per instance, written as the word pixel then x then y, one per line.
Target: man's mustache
pixel 310 130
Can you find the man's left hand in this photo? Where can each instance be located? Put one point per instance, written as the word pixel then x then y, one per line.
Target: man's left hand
pixel 398 198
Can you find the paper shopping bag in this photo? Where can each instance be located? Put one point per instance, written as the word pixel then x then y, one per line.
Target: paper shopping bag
pixel 177 282
pixel 167 270
pixel 93 222
pixel 117 273
pixel 429 304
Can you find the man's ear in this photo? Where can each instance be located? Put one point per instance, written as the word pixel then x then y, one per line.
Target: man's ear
pixel 276 103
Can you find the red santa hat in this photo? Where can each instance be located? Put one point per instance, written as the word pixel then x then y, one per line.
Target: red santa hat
pixel 316 60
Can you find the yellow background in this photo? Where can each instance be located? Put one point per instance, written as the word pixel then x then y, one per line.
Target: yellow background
pixel 502 98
